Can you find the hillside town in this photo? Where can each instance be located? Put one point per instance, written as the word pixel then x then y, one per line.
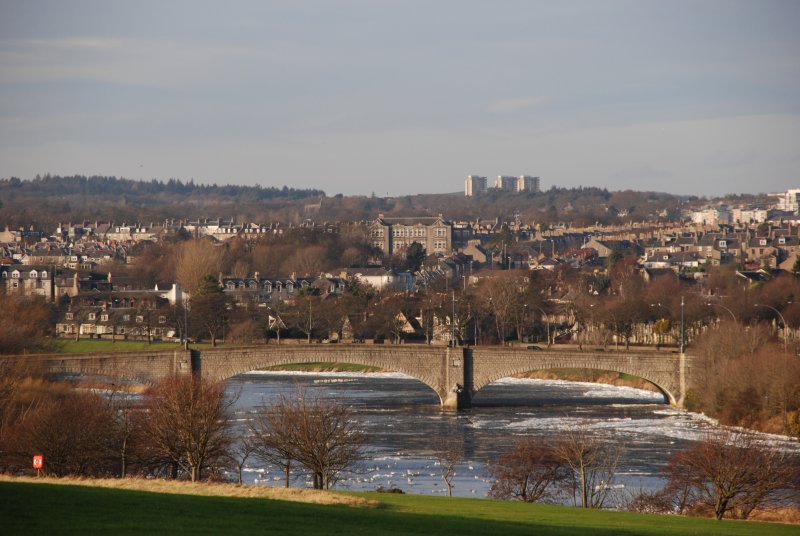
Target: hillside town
pixel 88 268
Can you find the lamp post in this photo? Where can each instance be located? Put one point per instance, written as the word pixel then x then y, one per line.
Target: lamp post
pixel 453 321
pixel 720 305
pixel 547 320
pixel 783 320
pixel 683 331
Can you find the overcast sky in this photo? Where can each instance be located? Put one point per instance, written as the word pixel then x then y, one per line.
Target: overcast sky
pixel 403 97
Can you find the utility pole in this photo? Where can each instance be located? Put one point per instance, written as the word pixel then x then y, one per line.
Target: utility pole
pixel 453 321
pixel 683 331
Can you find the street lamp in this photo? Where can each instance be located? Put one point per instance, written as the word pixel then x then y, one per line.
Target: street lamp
pixel 453 321
pixel 547 320
pixel 720 305
pixel 783 320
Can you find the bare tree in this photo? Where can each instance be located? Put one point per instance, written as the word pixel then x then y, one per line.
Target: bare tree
pixel 731 472
pixel 592 462
pixel 321 435
pixel 74 433
pixel 529 472
pixel 239 453
pixel 273 435
pixel 195 260
pixel 328 439
pixel 187 421
pixel 449 452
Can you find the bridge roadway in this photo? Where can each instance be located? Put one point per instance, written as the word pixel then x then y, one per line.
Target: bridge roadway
pixel 455 374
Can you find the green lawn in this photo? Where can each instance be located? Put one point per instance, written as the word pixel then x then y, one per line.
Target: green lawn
pixel 94 345
pixel 34 509
pixel 325 367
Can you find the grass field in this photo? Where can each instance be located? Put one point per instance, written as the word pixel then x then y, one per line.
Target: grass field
pixel 88 346
pixel 325 367
pixel 33 509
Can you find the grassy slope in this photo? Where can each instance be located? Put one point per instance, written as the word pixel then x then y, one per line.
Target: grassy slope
pixel 33 509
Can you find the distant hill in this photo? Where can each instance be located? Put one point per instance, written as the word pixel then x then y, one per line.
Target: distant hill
pixel 46 200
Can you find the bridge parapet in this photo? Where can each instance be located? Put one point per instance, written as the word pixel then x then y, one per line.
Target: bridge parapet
pixel 142 366
pixel 454 374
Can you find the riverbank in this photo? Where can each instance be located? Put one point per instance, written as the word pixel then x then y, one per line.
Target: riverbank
pixel 48 506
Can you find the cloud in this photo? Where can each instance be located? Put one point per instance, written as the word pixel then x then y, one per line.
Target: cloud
pixel 516 105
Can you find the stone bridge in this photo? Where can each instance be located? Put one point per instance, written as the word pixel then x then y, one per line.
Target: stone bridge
pixel 455 374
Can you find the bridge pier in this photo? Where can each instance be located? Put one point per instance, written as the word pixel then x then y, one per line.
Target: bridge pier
pixel 458 367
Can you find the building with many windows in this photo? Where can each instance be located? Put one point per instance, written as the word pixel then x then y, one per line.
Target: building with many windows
pixel 393 235
pixel 526 183
pixel 474 185
pixel 506 183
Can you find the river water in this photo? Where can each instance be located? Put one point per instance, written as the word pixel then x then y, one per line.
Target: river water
pixel 402 419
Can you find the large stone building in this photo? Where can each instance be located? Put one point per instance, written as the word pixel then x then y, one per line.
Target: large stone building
pixel 394 235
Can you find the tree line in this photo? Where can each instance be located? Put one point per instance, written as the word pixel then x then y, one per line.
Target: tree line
pixel 182 427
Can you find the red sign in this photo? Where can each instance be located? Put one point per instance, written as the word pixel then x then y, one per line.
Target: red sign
pixel 38 461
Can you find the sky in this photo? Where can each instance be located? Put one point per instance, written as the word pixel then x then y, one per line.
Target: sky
pixel 693 97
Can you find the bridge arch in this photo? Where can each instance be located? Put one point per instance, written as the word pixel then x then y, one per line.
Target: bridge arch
pixel 490 365
pixel 668 397
pixel 417 363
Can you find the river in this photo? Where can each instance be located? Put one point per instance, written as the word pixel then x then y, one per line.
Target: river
pixel 402 418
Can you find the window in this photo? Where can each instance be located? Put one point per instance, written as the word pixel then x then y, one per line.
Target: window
pixel 162 319
pixel 723 244
pixel 15 274
pixel 139 319
pixel 44 274
pixel 92 316
pixel 5 275
pixel 68 316
pixel 762 242
pixel 33 274
pixel 104 317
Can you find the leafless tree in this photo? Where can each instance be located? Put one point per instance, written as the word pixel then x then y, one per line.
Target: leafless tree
pixel 328 439
pixel 273 435
pixel 320 434
pixel 529 472
pixel 195 260
pixel 592 463
pixel 732 473
pixel 75 434
pixel 187 421
pixel 239 453
pixel 449 452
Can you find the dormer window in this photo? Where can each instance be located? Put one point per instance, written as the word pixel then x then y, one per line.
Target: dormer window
pixel 15 274
pixel 44 274
pixel 104 317
pixel 68 316
pixel 92 316
pixel 139 319
pixel 126 317
pixel 33 274
pixel 723 244
pixel 762 242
